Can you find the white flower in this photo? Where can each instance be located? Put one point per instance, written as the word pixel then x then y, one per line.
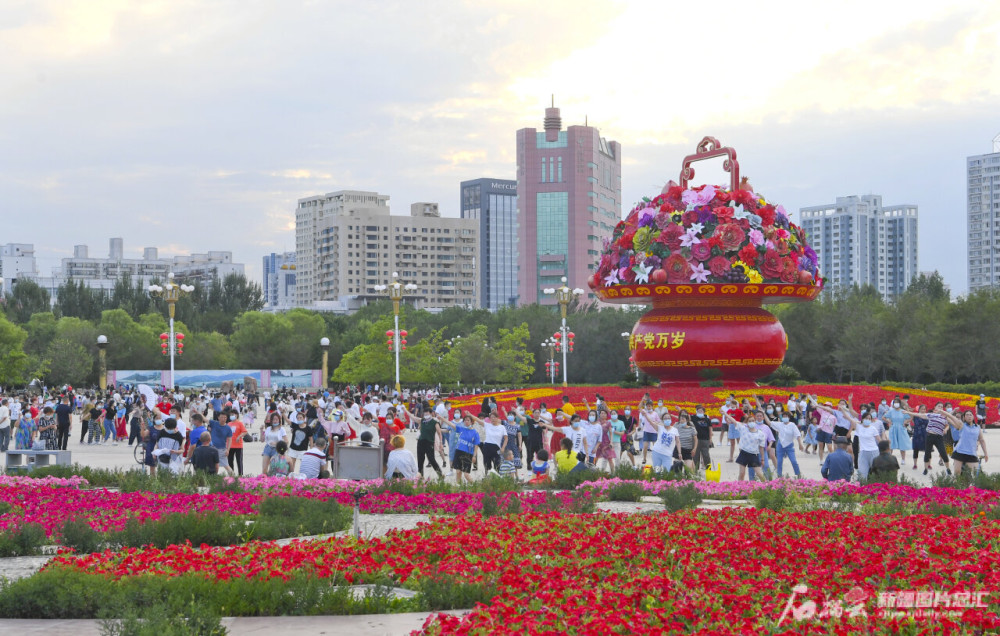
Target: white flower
pixel 642 273
pixel 611 279
pixel 689 239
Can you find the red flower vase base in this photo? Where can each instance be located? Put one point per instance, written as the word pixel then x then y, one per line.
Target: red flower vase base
pixel 696 333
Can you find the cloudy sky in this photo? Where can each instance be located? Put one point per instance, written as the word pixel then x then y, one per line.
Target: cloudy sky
pixel 191 125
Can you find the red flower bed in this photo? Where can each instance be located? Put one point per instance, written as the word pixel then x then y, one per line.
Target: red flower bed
pixel 714 397
pixel 700 572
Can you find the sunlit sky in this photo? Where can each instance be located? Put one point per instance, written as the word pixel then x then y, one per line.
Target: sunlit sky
pixel 192 126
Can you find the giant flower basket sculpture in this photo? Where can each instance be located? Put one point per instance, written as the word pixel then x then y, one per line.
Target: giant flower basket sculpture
pixel 707 259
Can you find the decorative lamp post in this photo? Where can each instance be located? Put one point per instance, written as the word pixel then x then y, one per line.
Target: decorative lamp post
pixel 102 366
pixel 397 341
pixel 324 342
pixel 564 295
pixel 171 292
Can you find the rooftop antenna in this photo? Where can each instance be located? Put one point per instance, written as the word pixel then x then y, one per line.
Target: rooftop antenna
pixel 585 120
pixel 996 143
pixel 553 100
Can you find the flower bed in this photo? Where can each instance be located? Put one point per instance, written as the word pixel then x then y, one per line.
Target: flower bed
pixel 708 572
pixel 713 398
pixel 719 490
pixel 106 511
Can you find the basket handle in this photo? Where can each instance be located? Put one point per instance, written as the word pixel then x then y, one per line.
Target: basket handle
pixel 707 149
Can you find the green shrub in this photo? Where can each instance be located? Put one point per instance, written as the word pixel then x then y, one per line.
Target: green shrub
pixel 280 517
pixel 446 593
pixel 570 480
pixel 775 499
pixel 637 473
pixel 65 593
pixel 681 497
pixel 514 504
pixel 78 535
pixel 491 506
pixel 26 540
pixel 626 491
pixel 159 620
pixel 494 483
pixel 211 528
pixel 5 507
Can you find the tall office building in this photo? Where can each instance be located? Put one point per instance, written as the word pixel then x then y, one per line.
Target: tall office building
pixel 279 281
pixel 493 203
pixel 859 241
pixel 983 209
pixel 569 192
pixel 352 244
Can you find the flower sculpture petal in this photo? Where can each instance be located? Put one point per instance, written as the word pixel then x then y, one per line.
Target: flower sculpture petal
pixel 642 273
pixel 699 274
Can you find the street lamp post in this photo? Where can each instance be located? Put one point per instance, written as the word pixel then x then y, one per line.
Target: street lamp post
pixel 171 292
pixel 102 379
pixel 325 343
pixel 551 367
pixel 564 295
pixel 396 290
pixel 631 358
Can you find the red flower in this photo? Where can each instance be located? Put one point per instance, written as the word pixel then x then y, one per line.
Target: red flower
pixel 719 266
pixel 715 242
pixel 789 271
pixel 671 237
pixel 772 265
pixel 690 217
pixel 745 198
pixel 722 196
pixel 731 236
pixel 766 215
pixel 666 207
pixel 701 251
pixel 625 242
pixel 678 269
pixel 724 213
pixel 748 254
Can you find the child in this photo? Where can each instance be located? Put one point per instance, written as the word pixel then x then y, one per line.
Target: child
pixel 540 467
pixel 279 466
pixel 811 436
pixel 508 467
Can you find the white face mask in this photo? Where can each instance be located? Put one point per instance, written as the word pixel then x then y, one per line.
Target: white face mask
pixel 593 418
pixel 701 413
pixel 628 411
pixel 895 405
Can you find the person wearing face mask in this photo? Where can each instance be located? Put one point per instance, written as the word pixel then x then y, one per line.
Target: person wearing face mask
pixel 617 430
pixel 535 434
pixel 430 428
pixel 970 434
pixel 301 434
pixel 896 420
pixel 739 414
pixel 751 445
pixel 605 449
pixel 703 437
pixel 575 433
pixel 512 422
pixel 593 429
pixel 494 440
pixel 628 438
pixel 784 446
pixel 663 448
pixel 869 432
pixel 937 424
pixel 650 421
pixel 686 440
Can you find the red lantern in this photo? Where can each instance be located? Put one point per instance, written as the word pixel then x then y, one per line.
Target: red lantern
pixel 403 341
pixel 571 335
pixel 180 336
pixel 390 333
pixel 557 335
pixel 402 332
pixel 163 336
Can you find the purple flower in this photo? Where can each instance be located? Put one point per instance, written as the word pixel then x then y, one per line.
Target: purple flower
pixel 705 215
pixel 623 261
pixel 696 198
pixel 647 220
pixel 652 261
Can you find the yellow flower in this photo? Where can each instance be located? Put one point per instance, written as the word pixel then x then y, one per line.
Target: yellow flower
pixel 745 267
pixel 754 276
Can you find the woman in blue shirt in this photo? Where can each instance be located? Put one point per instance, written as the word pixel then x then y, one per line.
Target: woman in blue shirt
pixel 969 434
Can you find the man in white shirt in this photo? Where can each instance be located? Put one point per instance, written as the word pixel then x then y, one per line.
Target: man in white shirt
pixel 4 425
pixel 576 433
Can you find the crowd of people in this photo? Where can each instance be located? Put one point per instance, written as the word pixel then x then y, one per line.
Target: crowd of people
pixel 208 429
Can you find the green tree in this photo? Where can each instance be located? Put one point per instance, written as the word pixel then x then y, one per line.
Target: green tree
pixel 207 351
pixel 41 330
pixel 13 360
pixel 69 363
pixel 514 363
pixel 75 298
pixel 130 345
pixel 26 298
pixel 259 340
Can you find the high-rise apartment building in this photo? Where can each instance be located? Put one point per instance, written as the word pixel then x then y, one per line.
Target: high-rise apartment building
pixel 279 281
pixel 493 203
pixel 859 241
pixel 569 192
pixel 983 210
pixel 351 244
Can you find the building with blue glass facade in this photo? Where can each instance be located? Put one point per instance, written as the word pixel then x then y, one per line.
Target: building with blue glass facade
pixel 493 202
